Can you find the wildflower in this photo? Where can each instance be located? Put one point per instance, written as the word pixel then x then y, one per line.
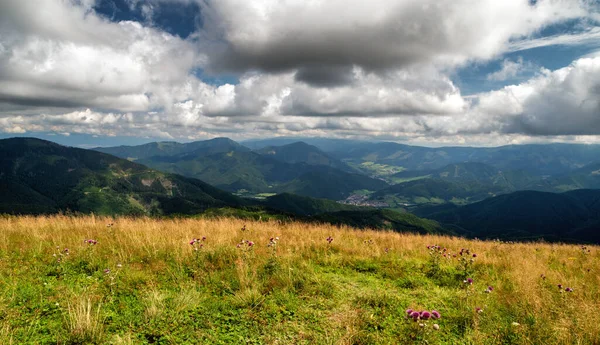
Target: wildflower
pixel 244 228
pixel 436 314
pixel 568 289
pixel 90 242
pixel 409 311
pixel 489 289
pixel 436 326
pixel 478 310
pixel 273 241
pixel 415 315
pixel 468 281
pixel 559 286
pixel 329 239
pixel 250 243
pixel 107 271
pixel 425 315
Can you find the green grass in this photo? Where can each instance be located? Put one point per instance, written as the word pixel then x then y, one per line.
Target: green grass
pixel 158 290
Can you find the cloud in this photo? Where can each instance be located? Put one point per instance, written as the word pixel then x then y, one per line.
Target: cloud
pixel 561 102
pixel 590 36
pixel 511 70
pixel 62 54
pixel 360 69
pixel 333 36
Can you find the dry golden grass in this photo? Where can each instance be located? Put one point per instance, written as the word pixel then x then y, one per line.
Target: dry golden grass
pixel 145 245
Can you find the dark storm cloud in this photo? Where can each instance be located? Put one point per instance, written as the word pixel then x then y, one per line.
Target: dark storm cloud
pixel 324 40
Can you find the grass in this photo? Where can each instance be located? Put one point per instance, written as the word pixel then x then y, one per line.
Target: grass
pixel 143 283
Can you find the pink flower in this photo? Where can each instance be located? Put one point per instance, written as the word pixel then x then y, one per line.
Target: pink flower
pixel 436 314
pixel 425 315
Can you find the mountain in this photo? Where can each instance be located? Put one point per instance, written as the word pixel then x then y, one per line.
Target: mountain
pixel 383 220
pixel 586 177
pixel 170 148
pixel 305 206
pixel 256 173
pixel 39 176
pixel 301 152
pixel 435 191
pixel 330 183
pixel 536 159
pixel 231 171
pixel 526 215
pixel 328 211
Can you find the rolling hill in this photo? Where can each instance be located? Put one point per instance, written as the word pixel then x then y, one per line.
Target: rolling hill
pixel 527 215
pixel 38 176
pixel 171 148
pixel 256 173
pixel 41 177
pixel 536 159
pixel 301 152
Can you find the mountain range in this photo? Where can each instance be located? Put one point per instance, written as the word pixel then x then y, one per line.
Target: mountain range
pixel 41 177
pixel 542 191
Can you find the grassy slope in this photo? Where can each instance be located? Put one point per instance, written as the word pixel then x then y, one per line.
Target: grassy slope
pixel 353 291
pixel 38 176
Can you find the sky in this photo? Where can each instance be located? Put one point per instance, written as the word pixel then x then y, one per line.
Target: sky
pixel 427 72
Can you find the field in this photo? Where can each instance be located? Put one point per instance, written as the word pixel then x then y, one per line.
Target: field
pixel 81 280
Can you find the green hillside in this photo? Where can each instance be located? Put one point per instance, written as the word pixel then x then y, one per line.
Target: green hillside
pixel 305 206
pixel 436 191
pixel 170 148
pixel 301 152
pixel 39 177
pixel 251 171
pixel 528 215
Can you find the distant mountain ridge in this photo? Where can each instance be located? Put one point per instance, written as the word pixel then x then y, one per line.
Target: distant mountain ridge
pixel 296 168
pixel 301 152
pixel 171 148
pixel 41 177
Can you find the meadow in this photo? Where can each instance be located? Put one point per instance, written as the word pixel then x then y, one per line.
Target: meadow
pixel 86 280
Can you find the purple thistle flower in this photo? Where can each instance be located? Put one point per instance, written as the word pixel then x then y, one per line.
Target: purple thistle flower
pixel 478 310
pixel 409 311
pixel 425 315
pixel 415 315
pixel 469 281
pixel 329 239
pixel 250 243
pixel 559 286
pixel 436 314
pixel 568 289
pixel 474 255
pixel 107 271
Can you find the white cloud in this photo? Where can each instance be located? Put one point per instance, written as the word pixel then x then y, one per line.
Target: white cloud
pixel 561 102
pixel 84 60
pixel 324 68
pixel 511 70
